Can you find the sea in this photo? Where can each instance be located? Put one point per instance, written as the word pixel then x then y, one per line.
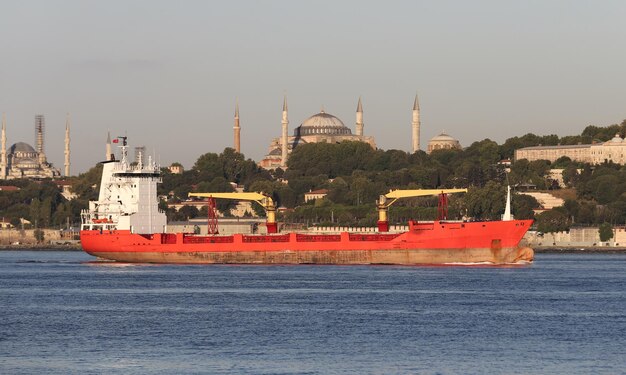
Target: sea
pixel 65 312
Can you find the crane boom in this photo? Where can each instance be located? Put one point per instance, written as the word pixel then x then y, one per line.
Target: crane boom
pixel 245 196
pixel 386 200
pixel 396 194
pixel 265 201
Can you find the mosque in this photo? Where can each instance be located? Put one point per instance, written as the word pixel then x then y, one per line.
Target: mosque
pixel 321 127
pixel 22 160
pixel 443 142
pixel 324 127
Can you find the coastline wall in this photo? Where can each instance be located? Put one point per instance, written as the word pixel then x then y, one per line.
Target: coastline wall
pixel 27 236
pixel 577 236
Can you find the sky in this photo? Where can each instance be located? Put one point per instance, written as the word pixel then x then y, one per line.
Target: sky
pixel 168 73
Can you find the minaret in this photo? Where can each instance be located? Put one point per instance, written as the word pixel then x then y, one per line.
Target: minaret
pixel 3 161
pixel 359 118
pixel 415 124
pixel 40 123
pixel 237 129
pixel 109 154
pixel 67 145
pixel 285 122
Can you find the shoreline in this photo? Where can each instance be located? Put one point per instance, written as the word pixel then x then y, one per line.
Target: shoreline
pixel 579 250
pixel 41 247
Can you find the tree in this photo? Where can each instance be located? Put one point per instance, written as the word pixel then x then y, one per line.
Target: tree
pixel 208 167
pixel 188 212
pixel 487 202
pixel 339 192
pixel 572 208
pixel 61 214
pixel 45 212
pixel 39 235
pixel 35 211
pixel 606 232
pixel 561 163
pixel 523 206
pixel 552 221
pixel 83 185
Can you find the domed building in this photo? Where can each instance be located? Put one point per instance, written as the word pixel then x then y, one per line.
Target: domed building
pixel 322 123
pixel 24 161
pixel 23 156
pixel 324 127
pixel 321 127
pixel 443 142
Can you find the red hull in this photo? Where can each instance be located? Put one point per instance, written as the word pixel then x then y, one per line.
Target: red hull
pixel 423 243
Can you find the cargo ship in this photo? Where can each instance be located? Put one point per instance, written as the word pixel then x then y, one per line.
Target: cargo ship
pixel 125 224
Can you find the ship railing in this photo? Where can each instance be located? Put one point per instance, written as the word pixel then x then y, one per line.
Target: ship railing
pixel 265 238
pixel 136 168
pixel 318 237
pixel 92 218
pixel 373 237
pixel 343 229
pixel 191 239
pixel 393 228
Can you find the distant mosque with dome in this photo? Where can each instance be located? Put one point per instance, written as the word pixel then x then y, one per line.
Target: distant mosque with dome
pixel 324 127
pixel 443 142
pixel 22 160
pixel 321 127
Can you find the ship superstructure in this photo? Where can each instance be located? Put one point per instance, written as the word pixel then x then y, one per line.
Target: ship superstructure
pixel 128 197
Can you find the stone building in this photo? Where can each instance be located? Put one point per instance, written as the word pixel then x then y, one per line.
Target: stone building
pixel 613 150
pixel 22 160
pixel 321 127
pixel 443 142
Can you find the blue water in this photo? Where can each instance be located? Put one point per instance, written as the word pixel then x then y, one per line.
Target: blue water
pixel 61 313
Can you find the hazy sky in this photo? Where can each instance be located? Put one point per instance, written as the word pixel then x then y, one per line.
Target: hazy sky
pixel 168 72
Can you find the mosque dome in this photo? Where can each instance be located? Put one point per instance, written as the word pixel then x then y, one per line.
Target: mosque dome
pixel 322 123
pixel 23 156
pixel 443 142
pixel 443 137
pixel 617 139
pixel 323 119
pixel 21 147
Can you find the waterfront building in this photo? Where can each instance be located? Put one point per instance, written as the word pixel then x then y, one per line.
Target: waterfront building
pixel 613 150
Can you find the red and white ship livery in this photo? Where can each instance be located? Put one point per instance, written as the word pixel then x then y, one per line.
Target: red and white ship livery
pixel 125 224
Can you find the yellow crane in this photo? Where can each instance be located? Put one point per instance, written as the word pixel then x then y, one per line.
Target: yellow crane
pixel 385 201
pixel 264 200
pixel 382 204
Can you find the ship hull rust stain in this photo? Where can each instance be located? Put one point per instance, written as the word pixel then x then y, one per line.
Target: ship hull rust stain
pixel 400 257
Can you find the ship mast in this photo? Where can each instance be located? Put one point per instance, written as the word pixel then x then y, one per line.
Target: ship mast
pixel 507 211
